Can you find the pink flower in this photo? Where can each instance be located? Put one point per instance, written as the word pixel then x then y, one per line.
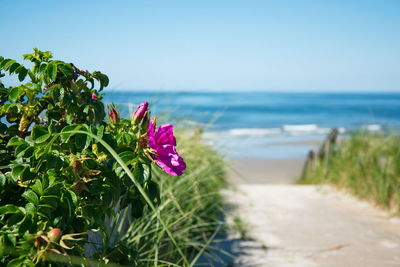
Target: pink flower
pixel 163 143
pixel 140 112
pixel 113 114
pixel 94 96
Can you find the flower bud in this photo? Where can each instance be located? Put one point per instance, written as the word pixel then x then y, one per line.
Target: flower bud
pixel 114 116
pixel 54 234
pixel 140 112
pixel 94 96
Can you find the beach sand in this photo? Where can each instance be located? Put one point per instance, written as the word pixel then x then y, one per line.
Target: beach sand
pixel 261 171
pixel 300 225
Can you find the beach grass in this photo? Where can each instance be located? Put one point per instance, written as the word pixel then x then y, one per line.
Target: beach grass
pixel 366 164
pixel 191 205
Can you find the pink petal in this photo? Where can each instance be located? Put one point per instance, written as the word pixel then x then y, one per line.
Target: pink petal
pixel 165 135
pixel 140 111
pixel 171 165
pixel 150 133
pixel 165 150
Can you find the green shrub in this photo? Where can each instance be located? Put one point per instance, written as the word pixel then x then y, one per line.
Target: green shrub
pixel 65 170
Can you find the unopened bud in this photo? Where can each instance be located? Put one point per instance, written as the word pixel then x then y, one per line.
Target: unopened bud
pixel 114 115
pixel 140 112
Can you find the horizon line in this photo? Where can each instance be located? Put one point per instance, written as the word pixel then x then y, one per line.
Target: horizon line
pixel 342 91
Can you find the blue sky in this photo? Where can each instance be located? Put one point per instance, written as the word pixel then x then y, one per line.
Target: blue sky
pixel 216 44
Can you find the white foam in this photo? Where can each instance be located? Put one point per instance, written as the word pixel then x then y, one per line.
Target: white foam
pixel 300 128
pixel 372 127
pixel 286 130
pixel 254 132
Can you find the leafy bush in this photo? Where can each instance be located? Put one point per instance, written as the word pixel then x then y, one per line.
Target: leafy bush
pixel 65 170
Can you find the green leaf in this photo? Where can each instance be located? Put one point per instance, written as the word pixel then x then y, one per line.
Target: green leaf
pixel 99 111
pixel 27 175
pixel 39 151
pixel 40 134
pixel 18 262
pixel 124 138
pixel 153 191
pixel 147 172
pixel 42 68
pixel 53 162
pixel 66 136
pixel 22 74
pixel 4 62
pixel 137 209
pixel 2 244
pixel 88 141
pixel 33 87
pixel 20 150
pixel 2 179
pixel 37 187
pixel 51 200
pixel 51 71
pixel 80 141
pixel 52 127
pixel 14 94
pixel 8 64
pixel 100 131
pixel 138 172
pixel 13 67
pixel 52 177
pixel 18 170
pixel 68 204
pixel 22 172
pixel 10 178
pixel 128 157
pixel 30 209
pixel 86 109
pixel 31 197
pixel 15 141
pixel 66 69
pixel 13 240
pixel 9 209
pixel 74 197
pixel 45 210
pixel 15 219
pixel 28 152
pixel 102 78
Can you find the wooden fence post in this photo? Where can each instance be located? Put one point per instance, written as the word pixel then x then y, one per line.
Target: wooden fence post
pixel 324 152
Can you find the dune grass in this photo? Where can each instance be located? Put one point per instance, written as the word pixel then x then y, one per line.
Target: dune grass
pixel 190 205
pixel 368 165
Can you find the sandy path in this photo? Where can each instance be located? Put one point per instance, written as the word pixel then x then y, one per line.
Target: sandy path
pixel 291 225
pixel 295 225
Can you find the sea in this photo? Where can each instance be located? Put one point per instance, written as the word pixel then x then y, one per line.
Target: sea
pixel 267 125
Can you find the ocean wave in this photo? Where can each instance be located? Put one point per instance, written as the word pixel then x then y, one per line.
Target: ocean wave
pixel 372 127
pixel 291 130
pixel 254 132
pixel 301 129
pixel 285 130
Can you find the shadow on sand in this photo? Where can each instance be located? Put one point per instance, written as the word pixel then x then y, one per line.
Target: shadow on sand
pixel 229 246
